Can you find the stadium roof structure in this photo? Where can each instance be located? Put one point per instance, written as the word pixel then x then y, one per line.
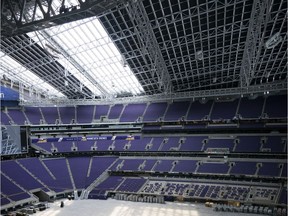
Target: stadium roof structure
pixel 143 50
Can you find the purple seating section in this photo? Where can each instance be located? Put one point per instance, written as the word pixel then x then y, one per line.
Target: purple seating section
pixel 55 176
pixel 275 107
pixel 17 116
pixel 206 191
pixel 269 169
pixel 279 101
pixel 214 168
pixel 185 166
pixel 198 111
pixel 248 144
pixel 59 169
pixel 35 166
pixel 251 108
pixel 132 112
pixel 99 165
pixel 173 142
pixel 4 119
pixel 67 114
pixel 115 111
pixel 50 114
pixel 154 112
pixel 131 185
pixel 33 114
pixel 224 110
pixel 275 144
pixel 163 166
pixel 244 168
pixel 220 143
pixel 79 169
pixel 14 171
pixel 85 114
pixel 193 143
pixel 176 111
pixel 190 143
pixel 101 110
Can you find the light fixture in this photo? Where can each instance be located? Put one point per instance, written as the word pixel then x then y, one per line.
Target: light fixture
pixel 273 41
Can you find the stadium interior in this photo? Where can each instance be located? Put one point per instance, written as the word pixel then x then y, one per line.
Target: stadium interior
pixel 144 101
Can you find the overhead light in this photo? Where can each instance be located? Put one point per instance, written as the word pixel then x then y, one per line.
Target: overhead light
pixel 273 41
pixel 199 55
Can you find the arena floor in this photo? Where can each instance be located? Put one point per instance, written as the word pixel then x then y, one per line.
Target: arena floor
pixel 125 208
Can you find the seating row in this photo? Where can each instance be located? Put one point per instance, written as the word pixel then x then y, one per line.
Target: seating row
pixel 272 107
pixel 275 144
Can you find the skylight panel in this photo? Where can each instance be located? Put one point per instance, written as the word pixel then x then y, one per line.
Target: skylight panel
pixel 17 72
pixel 87 42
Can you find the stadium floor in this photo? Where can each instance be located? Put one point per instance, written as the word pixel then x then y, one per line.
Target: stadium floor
pixel 126 208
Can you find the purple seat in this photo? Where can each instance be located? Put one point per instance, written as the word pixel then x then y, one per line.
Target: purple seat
pixel 172 143
pixel 132 112
pixel 163 166
pixel 33 114
pixel 154 112
pixel 132 164
pixel 85 145
pixel 185 166
pixel 248 144
pixel 79 167
pixel 99 165
pixel 220 143
pixel 269 169
pixel 198 110
pixel 17 116
pixel 100 111
pixel 251 108
pixel 244 168
pixel 35 166
pixel 14 171
pixel 139 144
pixel 275 144
pixel 85 113
pixel 276 106
pixel 50 114
pixel 213 168
pixel 224 110
pixel 64 146
pixel 115 111
pixel 4 119
pixel 149 164
pixel 193 143
pixel 67 114
pixel 59 169
pixel 156 143
pixel 9 188
pixel 177 110
pixel 131 185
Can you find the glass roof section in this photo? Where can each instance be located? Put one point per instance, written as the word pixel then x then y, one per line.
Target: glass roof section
pixel 88 44
pixel 16 72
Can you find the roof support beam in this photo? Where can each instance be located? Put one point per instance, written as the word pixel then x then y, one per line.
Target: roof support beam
pixel 234 92
pixel 74 62
pixel 43 14
pixel 254 41
pixel 149 45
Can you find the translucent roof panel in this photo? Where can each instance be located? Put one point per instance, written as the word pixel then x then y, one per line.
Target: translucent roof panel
pixel 88 44
pixel 14 71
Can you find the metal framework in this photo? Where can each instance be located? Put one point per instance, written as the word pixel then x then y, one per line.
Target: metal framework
pixel 73 61
pixel 148 45
pixel 193 95
pixel 254 41
pixel 45 14
pixel 173 48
